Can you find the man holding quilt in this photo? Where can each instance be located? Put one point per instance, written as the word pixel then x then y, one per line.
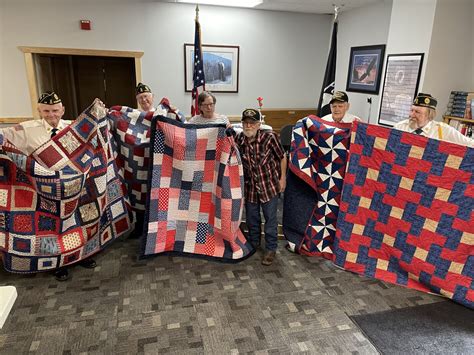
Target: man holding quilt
pixel 421 121
pixel 339 105
pixel 264 163
pixel 29 135
pixel 132 131
pixel 146 101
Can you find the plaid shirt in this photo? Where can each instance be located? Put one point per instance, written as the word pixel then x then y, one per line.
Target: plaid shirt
pixel 261 160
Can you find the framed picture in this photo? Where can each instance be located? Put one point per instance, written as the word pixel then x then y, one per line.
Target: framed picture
pixel 221 67
pixel 402 76
pixel 365 69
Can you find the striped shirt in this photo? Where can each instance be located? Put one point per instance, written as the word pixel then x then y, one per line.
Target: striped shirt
pixel 261 160
pixel 202 120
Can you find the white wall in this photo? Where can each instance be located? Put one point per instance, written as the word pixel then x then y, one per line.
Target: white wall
pixel 361 27
pixel 472 42
pixel 282 55
pixel 450 64
pixel 411 28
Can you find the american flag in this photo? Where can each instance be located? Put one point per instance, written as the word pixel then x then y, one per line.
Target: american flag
pixel 198 70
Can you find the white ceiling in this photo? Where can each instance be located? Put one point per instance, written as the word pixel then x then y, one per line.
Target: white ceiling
pixel 309 6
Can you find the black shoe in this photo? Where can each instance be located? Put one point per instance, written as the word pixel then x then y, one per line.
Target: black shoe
pixel 88 263
pixel 61 274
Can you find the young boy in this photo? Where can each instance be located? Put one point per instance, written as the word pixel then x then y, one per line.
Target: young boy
pixel 264 163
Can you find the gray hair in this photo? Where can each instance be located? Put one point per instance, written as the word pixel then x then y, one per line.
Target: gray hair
pixel 204 95
pixel 431 113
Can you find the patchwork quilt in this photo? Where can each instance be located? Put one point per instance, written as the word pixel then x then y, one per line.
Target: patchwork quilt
pixel 195 199
pixel 131 130
pixel 406 214
pixel 64 202
pixel 317 164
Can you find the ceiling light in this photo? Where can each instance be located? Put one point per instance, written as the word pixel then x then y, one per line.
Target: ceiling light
pixel 233 3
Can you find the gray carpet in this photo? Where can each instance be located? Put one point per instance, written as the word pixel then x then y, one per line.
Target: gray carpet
pixel 177 305
pixel 437 328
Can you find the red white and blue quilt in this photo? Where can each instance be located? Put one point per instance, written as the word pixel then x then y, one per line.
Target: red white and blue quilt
pixel 407 211
pixel 317 164
pixel 195 196
pixel 65 201
pixel 131 130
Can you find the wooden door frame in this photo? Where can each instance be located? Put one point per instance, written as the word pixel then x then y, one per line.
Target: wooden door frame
pixel 30 67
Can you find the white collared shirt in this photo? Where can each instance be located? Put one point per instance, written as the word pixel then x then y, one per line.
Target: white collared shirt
pixel 29 135
pixel 348 118
pixel 152 109
pixel 437 130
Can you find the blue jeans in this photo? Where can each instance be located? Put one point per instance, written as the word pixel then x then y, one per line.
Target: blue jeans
pixel 254 221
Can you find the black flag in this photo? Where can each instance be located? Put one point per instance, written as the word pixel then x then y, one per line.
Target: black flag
pixel 329 76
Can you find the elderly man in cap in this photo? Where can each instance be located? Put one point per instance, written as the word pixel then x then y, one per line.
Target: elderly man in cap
pixel 264 163
pixel 339 105
pixel 146 98
pixel 35 133
pixel 421 121
pixel 29 135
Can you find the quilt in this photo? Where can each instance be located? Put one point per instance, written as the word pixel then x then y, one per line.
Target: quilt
pixel 406 214
pixel 317 164
pixel 195 199
pixel 131 131
pixel 65 201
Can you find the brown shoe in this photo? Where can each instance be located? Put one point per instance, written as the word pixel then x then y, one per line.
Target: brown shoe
pixel 268 258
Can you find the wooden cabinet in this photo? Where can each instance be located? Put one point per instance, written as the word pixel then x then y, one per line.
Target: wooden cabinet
pixel 279 117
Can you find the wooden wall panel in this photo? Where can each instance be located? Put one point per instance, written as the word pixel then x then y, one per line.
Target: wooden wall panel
pixel 277 118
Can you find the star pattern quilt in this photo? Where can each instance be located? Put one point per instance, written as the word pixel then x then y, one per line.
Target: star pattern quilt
pixel 317 164
pixel 196 193
pixel 406 214
pixel 131 130
pixel 64 202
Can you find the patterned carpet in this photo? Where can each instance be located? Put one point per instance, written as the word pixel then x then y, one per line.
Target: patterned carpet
pixel 176 305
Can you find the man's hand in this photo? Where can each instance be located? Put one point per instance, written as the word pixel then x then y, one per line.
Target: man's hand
pixel 282 183
pixel 99 109
pixel 230 132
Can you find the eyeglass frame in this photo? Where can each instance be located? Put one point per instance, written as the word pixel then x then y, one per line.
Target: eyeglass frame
pixel 250 123
pixel 208 105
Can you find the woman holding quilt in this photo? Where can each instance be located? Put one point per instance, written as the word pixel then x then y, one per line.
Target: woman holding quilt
pixel 207 106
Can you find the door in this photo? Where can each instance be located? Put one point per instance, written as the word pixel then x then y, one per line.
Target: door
pixel 78 80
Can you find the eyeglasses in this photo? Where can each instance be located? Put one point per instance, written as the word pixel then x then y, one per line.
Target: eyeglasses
pixel 250 123
pixel 208 105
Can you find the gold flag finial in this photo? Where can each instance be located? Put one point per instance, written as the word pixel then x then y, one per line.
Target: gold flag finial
pixel 197 12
